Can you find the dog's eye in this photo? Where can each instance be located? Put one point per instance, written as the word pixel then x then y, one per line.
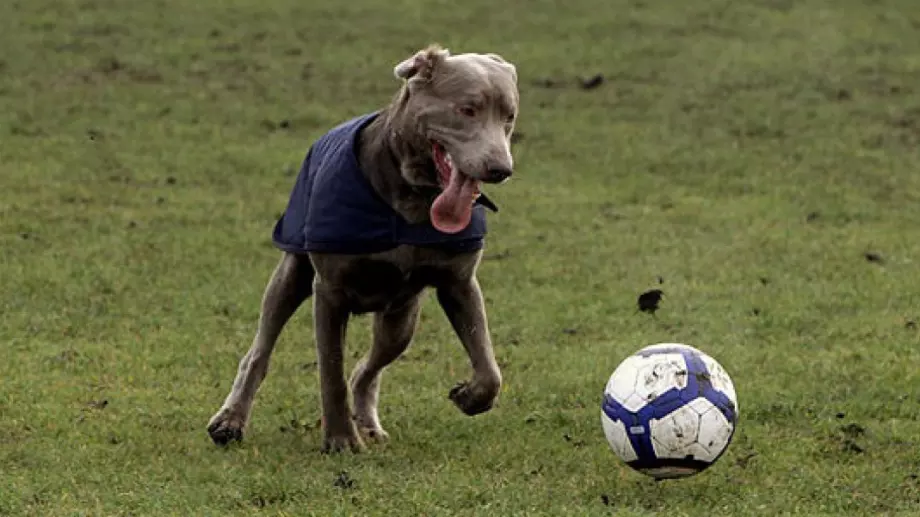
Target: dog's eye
pixel 467 111
pixel 510 119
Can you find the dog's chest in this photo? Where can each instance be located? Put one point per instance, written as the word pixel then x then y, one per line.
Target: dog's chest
pixel 373 285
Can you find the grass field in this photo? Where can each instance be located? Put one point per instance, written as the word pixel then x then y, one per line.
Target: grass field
pixel 761 157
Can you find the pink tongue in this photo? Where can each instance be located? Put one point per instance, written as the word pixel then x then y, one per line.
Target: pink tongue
pixel 453 208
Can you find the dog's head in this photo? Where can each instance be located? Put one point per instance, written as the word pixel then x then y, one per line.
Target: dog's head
pixel 462 109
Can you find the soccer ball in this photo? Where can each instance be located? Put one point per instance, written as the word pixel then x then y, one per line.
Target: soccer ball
pixel 669 411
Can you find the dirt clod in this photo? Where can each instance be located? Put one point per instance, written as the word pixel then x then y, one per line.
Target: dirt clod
pixel 98 404
pixel 649 300
pixel 343 481
pixel 592 82
pixel 874 257
pixel 853 430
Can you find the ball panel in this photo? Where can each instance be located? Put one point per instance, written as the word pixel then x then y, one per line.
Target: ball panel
pixel 675 435
pixel 615 431
pixel 666 403
pixel 623 380
pixel 659 374
pixel 701 405
pixel 635 425
pixel 715 432
pixel 720 380
pixel 634 403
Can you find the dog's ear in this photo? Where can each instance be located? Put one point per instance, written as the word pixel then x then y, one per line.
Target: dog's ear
pixel 422 64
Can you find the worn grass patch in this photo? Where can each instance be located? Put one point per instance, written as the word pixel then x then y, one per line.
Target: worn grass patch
pixel 761 157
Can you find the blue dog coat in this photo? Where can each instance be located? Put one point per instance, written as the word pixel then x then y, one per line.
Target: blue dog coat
pixel 333 208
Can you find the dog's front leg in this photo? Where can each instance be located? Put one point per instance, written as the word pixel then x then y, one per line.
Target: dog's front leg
pixel 330 320
pixel 463 304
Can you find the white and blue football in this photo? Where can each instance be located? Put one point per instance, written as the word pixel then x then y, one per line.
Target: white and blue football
pixel 669 410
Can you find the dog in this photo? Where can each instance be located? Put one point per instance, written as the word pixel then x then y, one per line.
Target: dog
pixel 386 206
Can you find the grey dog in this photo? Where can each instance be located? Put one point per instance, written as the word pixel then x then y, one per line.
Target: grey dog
pixel 385 206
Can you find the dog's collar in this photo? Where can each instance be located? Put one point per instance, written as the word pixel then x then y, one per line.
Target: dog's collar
pixel 486 202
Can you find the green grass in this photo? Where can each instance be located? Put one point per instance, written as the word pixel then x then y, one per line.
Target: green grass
pixel 143 163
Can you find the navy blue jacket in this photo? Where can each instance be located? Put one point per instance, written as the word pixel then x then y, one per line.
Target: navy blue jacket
pixel 334 209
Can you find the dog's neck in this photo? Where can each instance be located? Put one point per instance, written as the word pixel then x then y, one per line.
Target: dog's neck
pixel 383 153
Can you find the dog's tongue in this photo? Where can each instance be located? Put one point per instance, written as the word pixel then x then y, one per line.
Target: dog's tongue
pixel 453 208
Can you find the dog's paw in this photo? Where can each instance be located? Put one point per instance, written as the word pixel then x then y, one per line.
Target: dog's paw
pixel 225 427
pixel 470 400
pixel 374 434
pixel 368 426
pixel 336 443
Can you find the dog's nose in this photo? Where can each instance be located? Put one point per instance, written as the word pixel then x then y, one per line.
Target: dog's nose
pixel 498 174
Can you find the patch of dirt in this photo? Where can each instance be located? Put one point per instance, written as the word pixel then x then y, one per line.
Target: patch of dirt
pixel 842 94
pixel 280 125
pixel 592 82
pixel 852 447
pixel 853 430
pixel 343 481
pixel 67 356
pixel 548 82
pixel 262 501
pixel 743 461
pixel 26 129
pixel 582 82
pixel 575 442
pixel 112 68
pixel 848 435
pixel 112 65
pixel 758 131
pixel 101 30
pixel 873 256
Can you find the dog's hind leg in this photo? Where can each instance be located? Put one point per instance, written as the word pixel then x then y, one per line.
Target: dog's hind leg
pixel 393 332
pixel 463 304
pixel 290 284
